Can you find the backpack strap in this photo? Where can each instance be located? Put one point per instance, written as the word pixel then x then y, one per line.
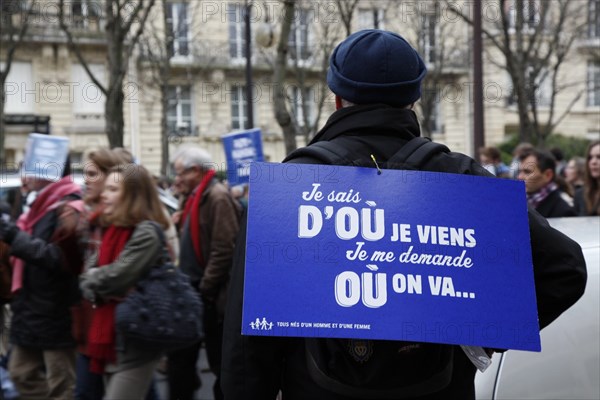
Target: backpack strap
pixel 416 153
pixel 328 152
pixel 166 256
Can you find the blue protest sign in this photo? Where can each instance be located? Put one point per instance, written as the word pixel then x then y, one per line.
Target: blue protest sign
pixel 45 156
pixel 241 148
pixel 406 255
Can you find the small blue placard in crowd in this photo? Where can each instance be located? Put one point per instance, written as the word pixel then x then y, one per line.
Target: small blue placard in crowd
pixel 241 148
pixel 343 252
pixel 45 157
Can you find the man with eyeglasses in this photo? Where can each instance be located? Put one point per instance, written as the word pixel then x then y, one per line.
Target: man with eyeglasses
pixel 208 229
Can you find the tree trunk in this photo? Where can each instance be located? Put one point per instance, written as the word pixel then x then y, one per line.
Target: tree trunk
pixel 115 98
pixel 282 114
pixel 541 142
pixel 164 73
pixel 164 129
pixel 526 133
pixel 518 76
pixel 114 117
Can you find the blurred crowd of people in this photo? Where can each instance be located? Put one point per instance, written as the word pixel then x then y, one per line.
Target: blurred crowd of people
pixel 77 251
pixel 555 187
pixel 66 237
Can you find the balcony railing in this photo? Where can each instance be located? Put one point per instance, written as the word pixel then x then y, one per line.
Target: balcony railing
pixel 43 25
pixel 224 54
pixel 589 43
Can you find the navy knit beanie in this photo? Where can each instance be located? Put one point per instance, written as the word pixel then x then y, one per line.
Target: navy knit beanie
pixel 375 66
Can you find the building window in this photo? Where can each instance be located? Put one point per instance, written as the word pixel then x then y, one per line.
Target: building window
pixel 179 112
pixel 429 37
pixel 593 84
pixel 88 99
pixel 303 105
pixel 239 107
pixel 594 18
pixel 85 14
pixel 433 122
pixel 436 122
pixel 237 31
pixel 531 13
pixel 370 18
pixel 178 27
pixel 543 92
pixel 300 40
pixel 76 158
pixel 20 90
pixel 10 161
pixel 8 9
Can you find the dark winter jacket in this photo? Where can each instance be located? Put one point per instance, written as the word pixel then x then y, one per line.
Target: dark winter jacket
pixel 219 226
pixel 42 308
pixel 258 367
pixel 554 206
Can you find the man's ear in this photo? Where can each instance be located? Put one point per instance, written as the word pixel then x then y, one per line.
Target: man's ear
pixel 338 102
pixel 548 175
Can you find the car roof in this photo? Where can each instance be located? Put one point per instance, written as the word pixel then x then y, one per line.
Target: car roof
pixel 583 230
pixel 11 180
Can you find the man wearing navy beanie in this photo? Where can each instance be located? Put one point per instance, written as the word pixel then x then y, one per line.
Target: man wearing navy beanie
pixel 376 76
pixel 374 66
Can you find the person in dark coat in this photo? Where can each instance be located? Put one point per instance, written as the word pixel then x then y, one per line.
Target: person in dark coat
pixel 46 243
pixel 376 77
pixel 587 198
pixel 5 268
pixel 538 169
pixel 209 226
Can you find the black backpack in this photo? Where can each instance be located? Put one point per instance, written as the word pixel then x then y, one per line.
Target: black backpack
pixel 414 155
pixel 377 369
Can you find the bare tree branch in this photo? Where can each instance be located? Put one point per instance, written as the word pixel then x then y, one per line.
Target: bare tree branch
pixel 12 47
pixel 73 46
pixel 119 50
pixel 13 44
pixel 282 115
pixel 346 11
pixel 534 44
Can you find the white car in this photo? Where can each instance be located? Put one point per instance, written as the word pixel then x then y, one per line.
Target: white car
pixel 12 181
pixel 569 365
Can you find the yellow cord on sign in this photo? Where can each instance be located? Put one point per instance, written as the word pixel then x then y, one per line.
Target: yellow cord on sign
pixel 377 165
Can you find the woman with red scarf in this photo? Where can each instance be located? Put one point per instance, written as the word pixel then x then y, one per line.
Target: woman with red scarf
pixel 130 247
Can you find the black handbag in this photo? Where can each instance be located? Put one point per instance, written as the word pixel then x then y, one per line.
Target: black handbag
pixel 163 311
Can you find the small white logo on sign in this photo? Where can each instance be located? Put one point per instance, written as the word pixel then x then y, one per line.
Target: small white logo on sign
pixel 261 325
